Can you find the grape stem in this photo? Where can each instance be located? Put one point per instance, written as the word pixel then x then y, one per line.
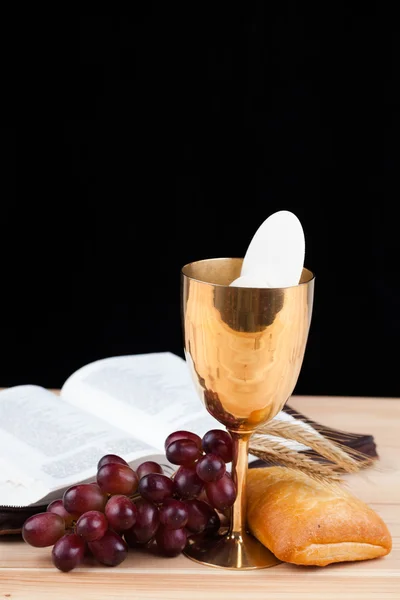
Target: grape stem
pixel 240 443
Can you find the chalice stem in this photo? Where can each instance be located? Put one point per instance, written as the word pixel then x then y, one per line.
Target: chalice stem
pixel 239 475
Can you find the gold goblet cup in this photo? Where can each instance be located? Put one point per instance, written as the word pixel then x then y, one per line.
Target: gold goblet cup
pixel 245 348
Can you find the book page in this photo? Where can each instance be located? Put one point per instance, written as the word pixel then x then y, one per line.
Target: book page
pixel 47 444
pixel 145 394
pixel 149 395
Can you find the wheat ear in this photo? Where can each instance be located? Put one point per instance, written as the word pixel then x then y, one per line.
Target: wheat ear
pixel 276 453
pixel 343 458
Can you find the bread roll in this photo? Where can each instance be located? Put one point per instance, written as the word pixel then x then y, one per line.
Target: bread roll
pixel 306 522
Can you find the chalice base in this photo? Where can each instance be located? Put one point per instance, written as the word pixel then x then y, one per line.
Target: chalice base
pixel 231 551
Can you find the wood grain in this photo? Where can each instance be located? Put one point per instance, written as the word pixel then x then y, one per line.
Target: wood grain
pixel 26 572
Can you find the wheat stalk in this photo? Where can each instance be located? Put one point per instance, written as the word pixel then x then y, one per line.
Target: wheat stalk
pixel 279 454
pixel 343 458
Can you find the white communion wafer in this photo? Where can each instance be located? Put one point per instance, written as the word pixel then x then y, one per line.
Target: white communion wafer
pixel 275 254
pixel 254 280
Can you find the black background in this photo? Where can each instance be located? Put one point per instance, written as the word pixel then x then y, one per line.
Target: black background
pixel 134 145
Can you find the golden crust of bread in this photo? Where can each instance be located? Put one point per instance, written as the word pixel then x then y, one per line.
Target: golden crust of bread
pixel 306 522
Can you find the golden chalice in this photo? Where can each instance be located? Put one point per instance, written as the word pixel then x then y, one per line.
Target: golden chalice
pixel 245 348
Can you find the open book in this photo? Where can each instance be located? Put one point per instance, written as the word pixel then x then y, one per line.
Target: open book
pixel 125 405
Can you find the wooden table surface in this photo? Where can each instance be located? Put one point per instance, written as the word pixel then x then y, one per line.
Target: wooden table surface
pixel 27 572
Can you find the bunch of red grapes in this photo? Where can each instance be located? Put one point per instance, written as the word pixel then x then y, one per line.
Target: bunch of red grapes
pixel 137 509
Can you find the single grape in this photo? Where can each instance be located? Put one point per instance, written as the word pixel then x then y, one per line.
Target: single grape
pixel 187 484
pixel 68 552
pixel 83 497
pixel 210 467
pixel 183 452
pixel 199 513
pixel 110 459
pixel 121 513
pixel 146 525
pixel 222 493
pixel 43 529
pixel 110 550
pixel 218 441
pixel 182 435
pixel 57 507
pixel 132 540
pixel 173 514
pixel 148 467
pixel 213 523
pixel 156 487
pixel 92 525
pixel 114 478
pixel 171 542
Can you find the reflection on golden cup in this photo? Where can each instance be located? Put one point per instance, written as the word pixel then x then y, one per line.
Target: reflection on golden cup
pixel 245 348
